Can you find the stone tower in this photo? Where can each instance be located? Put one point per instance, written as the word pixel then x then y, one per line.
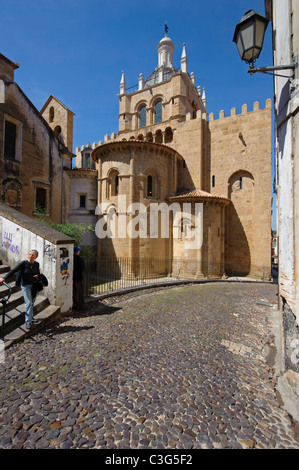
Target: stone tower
pixel 60 119
pixel 165 95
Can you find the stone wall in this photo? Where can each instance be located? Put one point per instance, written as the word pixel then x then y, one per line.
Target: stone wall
pixel 39 161
pixel 240 169
pixel 20 234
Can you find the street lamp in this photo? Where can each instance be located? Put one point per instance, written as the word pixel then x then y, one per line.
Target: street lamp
pixel 249 37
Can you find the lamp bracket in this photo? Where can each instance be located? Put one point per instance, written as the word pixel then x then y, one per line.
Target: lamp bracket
pixel 266 70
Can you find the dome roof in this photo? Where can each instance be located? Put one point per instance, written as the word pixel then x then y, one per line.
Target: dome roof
pixel 166 40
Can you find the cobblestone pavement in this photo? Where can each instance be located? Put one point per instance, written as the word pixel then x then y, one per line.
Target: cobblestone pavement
pixel 178 368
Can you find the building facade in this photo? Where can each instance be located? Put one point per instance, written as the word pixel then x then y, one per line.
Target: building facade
pixel 284 18
pixel 33 156
pixel 82 190
pixel 170 155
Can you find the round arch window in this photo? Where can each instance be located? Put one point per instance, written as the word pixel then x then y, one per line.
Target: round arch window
pixel 142 116
pixel 158 111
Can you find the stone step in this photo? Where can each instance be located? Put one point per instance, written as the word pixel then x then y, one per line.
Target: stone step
pixel 14 317
pixel 15 299
pixel 14 325
pixel 4 268
pixel 4 290
pixel 44 317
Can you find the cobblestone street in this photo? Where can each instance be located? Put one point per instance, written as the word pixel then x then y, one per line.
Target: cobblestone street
pixel 176 368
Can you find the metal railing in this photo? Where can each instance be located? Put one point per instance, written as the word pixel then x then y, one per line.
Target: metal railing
pixel 111 274
pixel 153 80
pixel 4 301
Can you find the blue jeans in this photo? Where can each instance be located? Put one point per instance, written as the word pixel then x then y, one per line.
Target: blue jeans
pixel 29 302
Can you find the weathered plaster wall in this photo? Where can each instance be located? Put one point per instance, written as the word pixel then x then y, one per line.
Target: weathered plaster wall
pixel 20 234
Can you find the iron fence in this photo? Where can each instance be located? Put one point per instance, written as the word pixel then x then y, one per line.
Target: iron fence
pixel 111 274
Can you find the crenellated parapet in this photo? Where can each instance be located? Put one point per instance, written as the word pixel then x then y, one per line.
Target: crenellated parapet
pixel 233 112
pixel 151 133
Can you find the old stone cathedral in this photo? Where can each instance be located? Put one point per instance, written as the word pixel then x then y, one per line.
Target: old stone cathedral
pixel 170 149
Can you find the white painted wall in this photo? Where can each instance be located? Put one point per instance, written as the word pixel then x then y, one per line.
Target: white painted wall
pixel 284 157
pixel 55 259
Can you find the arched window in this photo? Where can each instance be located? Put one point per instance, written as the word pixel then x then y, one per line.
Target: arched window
pixel 158 111
pixel 51 114
pixel 113 183
pixel 159 137
pixel 168 135
pixel 116 184
pixel 186 226
pixel 142 116
pixel 149 185
pixel 149 137
pixel 57 130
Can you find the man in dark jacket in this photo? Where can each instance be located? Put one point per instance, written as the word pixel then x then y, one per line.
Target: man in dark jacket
pixel 78 290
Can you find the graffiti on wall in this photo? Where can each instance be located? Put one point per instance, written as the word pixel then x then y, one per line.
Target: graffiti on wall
pixel 50 252
pixel 64 264
pixel 7 243
pixel 64 260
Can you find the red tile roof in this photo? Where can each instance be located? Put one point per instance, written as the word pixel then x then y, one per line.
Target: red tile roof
pixel 196 193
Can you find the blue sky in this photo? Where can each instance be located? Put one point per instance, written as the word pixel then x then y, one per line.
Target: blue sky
pixel 77 49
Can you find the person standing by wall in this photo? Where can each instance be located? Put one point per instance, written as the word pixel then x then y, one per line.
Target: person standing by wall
pixel 78 289
pixel 26 273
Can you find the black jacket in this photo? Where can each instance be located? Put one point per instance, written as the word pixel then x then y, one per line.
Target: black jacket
pixel 25 272
pixel 38 284
pixel 78 268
